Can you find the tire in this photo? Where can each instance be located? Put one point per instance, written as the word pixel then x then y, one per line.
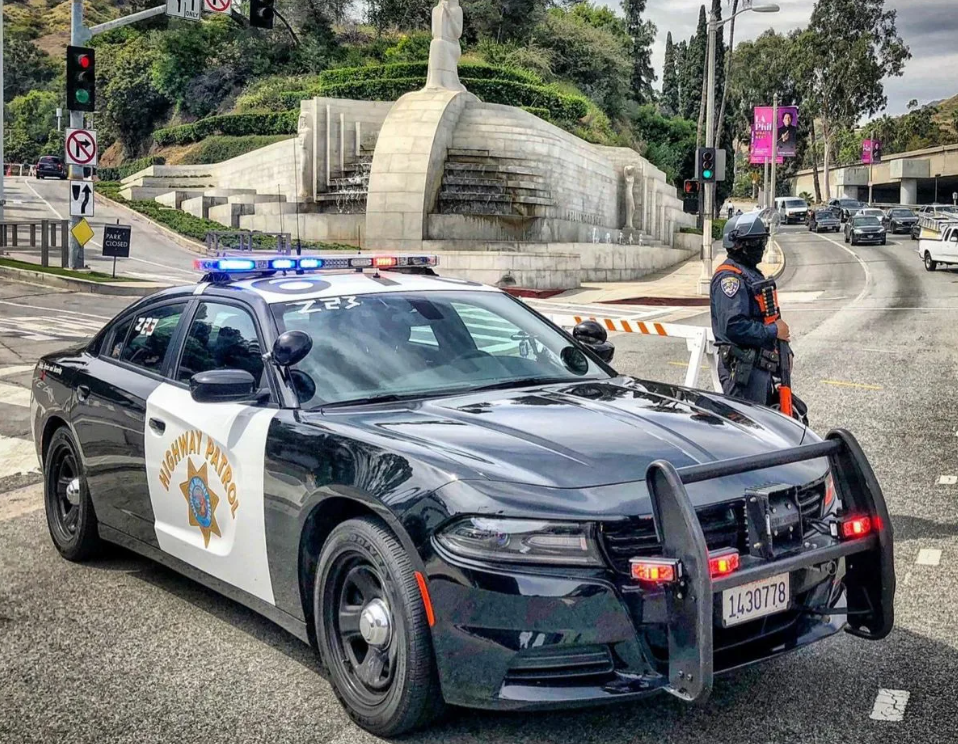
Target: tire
pixel 71 519
pixel 362 560
pixel 930 264
pixel 884 241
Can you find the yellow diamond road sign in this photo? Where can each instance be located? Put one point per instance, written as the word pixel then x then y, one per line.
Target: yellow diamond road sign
pixel 82 232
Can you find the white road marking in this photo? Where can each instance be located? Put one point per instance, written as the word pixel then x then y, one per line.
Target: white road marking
pixel 890 705
pixel 17 456
pixel 929 557
pixel 37 194
pixel 947 480
pixel 56 311
pixel 14 395
pixel 16 369
pixel 22 501
pixel 868 273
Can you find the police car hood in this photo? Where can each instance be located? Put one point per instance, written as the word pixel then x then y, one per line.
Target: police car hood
pixel 577 435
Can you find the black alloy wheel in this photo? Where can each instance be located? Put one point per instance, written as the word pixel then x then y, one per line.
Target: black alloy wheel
pixel 70 516
pixel 372 630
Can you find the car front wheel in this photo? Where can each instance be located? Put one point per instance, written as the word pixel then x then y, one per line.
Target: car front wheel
pixel 372 630
pixel 930 264
pixel 70 516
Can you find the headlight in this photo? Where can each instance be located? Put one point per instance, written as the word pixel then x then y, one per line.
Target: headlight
pixel 859 232
pixel 521 541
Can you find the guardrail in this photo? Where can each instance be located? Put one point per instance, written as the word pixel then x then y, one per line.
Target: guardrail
pixel 699 341
pixel 17 169
pixel 36 235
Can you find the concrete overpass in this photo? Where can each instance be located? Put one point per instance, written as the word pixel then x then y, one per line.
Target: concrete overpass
pixel 903 178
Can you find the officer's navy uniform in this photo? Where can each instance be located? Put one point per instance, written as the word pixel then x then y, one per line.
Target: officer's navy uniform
pixel 737 321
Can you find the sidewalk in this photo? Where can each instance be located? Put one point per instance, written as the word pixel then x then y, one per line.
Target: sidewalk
pixel 678 285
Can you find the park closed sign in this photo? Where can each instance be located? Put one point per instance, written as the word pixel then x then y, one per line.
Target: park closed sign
pixel 116 241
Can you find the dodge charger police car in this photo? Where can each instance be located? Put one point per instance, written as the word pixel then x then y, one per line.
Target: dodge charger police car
pixel 451 498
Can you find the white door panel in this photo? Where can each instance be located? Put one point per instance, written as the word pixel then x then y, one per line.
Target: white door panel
pixel 205 472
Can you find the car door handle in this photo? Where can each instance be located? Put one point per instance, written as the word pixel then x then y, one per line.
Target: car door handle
pixel 158 426
pixel 83 392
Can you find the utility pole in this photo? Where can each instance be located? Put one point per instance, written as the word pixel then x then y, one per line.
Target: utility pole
pixel 774 158
pixel 77 38
pixel 3 170
pixel 705 280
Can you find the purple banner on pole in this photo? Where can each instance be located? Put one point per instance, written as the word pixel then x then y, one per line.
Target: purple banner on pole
pixel 762 132
pixel 871 148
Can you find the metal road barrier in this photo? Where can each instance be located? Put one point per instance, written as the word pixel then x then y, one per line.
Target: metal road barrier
pixel 29 236
pixel 220 241
pixel 700 342
pixel 17 169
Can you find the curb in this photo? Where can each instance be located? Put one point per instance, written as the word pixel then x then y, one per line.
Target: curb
pixel 137 289
pixel 182 241
pixel 781 269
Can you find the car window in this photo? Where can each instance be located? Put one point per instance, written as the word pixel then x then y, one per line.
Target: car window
pixel 424 343
pixel 221 337
pixel 866 221
pixel 149 336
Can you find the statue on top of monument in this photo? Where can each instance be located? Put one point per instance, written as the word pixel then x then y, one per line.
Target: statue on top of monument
pixel 445 51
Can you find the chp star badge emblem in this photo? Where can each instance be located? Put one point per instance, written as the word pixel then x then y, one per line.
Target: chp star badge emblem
pixel 730 285
pixel 202 502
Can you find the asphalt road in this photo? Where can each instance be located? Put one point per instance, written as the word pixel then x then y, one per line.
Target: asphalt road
pixel 123 650
pixel 153 255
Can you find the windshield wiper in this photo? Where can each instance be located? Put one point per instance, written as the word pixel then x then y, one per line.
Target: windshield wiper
pixel 525 382
pixel 384 398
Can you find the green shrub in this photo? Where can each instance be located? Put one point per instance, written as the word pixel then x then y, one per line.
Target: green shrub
pixel 270 100
pixel 718 229
pixel 542 113
pixel 218 148
pixel 128 169
pixel 400 70
pixel 236 125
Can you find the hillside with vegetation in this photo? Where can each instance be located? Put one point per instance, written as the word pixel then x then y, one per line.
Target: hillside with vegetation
pixel 187 92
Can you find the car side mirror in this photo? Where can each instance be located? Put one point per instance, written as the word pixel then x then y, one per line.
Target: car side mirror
pixel 591 334
pixel 291 348
pixel 222 386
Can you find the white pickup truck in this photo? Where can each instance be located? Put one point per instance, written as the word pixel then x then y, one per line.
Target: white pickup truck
pixel 938 242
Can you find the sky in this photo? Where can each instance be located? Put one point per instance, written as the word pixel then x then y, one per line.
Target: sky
pixel 929 28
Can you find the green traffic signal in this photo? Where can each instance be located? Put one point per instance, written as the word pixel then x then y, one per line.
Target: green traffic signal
pixel 82 96
pixel 707 175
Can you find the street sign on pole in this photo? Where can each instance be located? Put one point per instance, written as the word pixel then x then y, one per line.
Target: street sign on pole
pixel 82 232
pixel 217 6
pixel 189 9
pixel 116 241
pixel 81 147
pixel 81 198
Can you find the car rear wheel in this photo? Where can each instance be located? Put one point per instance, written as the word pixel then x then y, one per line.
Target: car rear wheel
pixel 930 265
pixel 70 516
pixel 372 630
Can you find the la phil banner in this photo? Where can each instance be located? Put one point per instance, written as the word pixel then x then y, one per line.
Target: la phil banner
pixel 762 132
pixel 871 151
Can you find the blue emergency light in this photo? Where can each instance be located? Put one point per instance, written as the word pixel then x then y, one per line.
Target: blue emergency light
pixel 304 264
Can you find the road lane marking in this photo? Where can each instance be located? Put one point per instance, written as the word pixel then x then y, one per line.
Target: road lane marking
pixel 55 311
pixel 868 273
pixel 49 206
pixel 890 705
pixel 16 369
pixel 14 395
pixel 929 557
pixel 860 385
pixel 947 480
pixel 22 501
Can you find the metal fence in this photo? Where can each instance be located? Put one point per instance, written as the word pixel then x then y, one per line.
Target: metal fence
pixel 36 237
pixel 218 242
pixel 17 169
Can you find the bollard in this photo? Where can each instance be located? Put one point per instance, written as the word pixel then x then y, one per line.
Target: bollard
pixel 33 234
pixel 16 233
pixel 44 243
pixel 3 235
pixel 64 244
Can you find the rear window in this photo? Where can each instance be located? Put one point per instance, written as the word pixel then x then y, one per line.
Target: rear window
pixel 850 203
pixel 50 161
pixel 902 213
pixel 825 213
pixel 796 203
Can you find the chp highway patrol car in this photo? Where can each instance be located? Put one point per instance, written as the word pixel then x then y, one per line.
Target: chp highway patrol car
pixel 450 497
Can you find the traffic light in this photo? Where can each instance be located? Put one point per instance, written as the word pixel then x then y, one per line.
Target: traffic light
pixel 261 13
pixel 81 79
pixel 705 167
pixel 691 187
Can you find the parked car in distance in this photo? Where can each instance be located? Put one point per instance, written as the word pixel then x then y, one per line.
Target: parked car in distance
pixel 823 220
pixel 791 209
pixel 900 220
pixel 871 212
pixel 865 229
pixel 845 208
pixel 51 166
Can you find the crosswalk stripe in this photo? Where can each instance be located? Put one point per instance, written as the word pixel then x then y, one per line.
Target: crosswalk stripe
pixel 14 395
pixel 16 369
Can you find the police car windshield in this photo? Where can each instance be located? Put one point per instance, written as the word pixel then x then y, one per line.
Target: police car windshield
pixel 419 344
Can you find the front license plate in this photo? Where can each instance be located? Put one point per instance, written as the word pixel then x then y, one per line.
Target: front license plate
pixel 755 600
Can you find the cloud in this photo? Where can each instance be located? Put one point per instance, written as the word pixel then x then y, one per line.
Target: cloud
pixel 929 27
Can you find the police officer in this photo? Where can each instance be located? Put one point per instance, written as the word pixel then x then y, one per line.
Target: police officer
pixel 749 349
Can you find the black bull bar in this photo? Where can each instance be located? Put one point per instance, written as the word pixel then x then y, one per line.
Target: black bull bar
pixel 870 568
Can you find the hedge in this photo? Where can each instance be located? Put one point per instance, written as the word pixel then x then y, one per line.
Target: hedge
pixel 559 106
pixel 542 113
pixel 400 70
pixel 271 100
pixel 217 148
pixel 128 169
pixel 236 125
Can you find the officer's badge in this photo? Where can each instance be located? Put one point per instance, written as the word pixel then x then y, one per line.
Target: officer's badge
pixel 730 285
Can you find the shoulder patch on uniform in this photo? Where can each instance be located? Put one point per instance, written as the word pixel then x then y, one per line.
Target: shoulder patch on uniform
pixel 730 285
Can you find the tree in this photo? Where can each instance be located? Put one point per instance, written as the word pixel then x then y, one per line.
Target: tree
pixel 670 79
pixel 33 122
pixel 681 57
pixel 701 45
pixel 855 45
pixel 28 68
pixel 502 20
pixel 642 35
pixel 133 102
pixel 730 57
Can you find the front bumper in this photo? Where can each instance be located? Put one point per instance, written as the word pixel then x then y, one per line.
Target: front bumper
pixel 869 237
pixel 561 638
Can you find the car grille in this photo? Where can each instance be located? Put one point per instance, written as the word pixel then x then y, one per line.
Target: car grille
pixel 724 526
pixel 562 664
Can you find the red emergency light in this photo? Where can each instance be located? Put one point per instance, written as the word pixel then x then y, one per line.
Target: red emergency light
pixel 858 527
pixel 724 563
pixel 659 571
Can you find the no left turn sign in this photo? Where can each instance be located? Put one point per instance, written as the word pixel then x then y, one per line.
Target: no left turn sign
pixel 217 6
pixel 81 147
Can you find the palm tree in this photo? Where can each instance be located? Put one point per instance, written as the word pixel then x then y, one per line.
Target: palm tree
pixel 808 198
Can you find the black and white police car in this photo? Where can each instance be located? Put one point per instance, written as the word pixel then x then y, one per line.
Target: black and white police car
pixel 452 498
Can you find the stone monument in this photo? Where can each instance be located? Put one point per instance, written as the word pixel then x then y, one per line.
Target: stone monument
pixel 445 51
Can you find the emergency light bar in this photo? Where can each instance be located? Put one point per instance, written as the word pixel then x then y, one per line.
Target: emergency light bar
pixel 315 263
